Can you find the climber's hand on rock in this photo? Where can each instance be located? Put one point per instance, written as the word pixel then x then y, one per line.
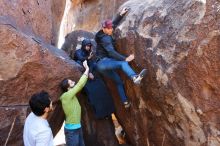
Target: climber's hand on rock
pixel 124 11
pixel 130 58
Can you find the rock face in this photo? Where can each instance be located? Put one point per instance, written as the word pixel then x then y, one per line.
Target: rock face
pixel 35 18
pixel 73 41
pixel 27 67
pixel 28 63
pixel 87 15
pixel 178 42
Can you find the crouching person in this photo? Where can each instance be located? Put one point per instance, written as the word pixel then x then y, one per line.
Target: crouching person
pixel 72 109
pixel 37 131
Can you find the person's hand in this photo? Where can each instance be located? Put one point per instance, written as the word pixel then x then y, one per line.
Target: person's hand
pixel 90 55
pixel 85 64
pixel 124 11
pixel 91 76
pixel 130 58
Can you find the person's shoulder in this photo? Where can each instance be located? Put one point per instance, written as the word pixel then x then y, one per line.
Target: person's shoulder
pixel 65 95
pixel 62 96
pixel 31 117
pixel 106 38
pixel 78 51
pixel 100 34
pixel 35 123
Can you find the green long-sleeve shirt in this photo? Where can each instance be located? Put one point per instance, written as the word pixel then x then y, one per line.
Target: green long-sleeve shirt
pixel 70 103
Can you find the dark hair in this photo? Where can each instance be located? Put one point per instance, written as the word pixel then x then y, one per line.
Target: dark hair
pixel 39 102
pixel 64 85
pixel 86 42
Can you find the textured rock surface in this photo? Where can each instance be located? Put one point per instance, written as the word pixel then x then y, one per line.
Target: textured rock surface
pixel 74 40
pixel 26 67
pixel 88 14
pixel 28 63
pixel 178 41
pixel 37 18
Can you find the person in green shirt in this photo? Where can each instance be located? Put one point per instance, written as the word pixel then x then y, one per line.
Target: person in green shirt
pixel 72 109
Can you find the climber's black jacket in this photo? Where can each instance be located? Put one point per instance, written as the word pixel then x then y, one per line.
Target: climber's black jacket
pixel 106 43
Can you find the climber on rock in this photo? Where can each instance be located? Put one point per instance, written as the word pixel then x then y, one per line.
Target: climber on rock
pixel 95 89
pixel 72 109
pixel 109 60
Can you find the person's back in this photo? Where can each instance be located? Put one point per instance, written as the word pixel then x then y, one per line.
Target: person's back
pixel 106 44
pixel 70 103
pixel 35 129
pixel 102 39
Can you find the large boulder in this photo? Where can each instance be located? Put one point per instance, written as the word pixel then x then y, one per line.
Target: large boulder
pixel 178 42
pixel 73 41
pixel 38 18
pixel 28 63
pixel 87 15
pixel 28 66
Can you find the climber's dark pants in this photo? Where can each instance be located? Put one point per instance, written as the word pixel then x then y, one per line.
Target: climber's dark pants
pixel 107 67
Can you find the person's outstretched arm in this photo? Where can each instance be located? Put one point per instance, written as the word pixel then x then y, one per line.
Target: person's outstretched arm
pixel 81 83
pixel 119 17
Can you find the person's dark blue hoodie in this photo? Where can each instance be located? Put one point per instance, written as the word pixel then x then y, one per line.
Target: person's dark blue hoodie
pixel 82 54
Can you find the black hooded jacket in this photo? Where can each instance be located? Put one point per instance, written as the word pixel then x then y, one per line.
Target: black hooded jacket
pixel 82 54
pixel 106 44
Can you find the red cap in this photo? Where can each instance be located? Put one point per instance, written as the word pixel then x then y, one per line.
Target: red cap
pixel 107 24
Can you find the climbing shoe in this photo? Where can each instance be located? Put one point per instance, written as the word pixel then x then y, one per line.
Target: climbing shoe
pixel 127 104
pixel 137 79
